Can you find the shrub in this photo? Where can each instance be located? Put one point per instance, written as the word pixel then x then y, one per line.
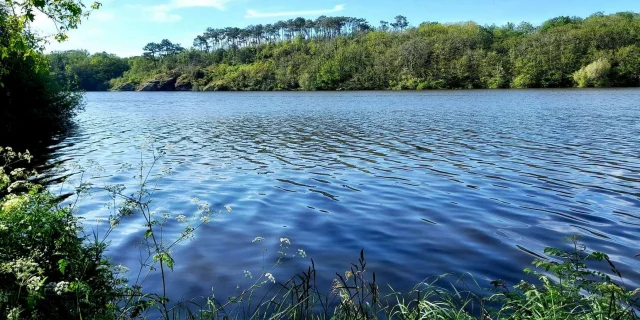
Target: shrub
pixel 595 74
pixel 48 270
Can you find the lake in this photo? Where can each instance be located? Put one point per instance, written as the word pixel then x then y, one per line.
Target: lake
pixel 425 182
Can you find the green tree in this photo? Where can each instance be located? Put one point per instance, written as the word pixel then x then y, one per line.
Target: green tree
pixel 595 74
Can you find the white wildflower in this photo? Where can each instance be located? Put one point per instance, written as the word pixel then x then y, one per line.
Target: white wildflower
pixel 247 274
pixel 285 240
pixel 205 219
pixel 270 277
pixel 102 267
pixel 35 283
pixel 113 223
pixel 120 269
pixel 228 208
pixel 61 287
pixel 204 207
pixel 181 218
pixel 258 239
pixel 301 253
pixel 17 172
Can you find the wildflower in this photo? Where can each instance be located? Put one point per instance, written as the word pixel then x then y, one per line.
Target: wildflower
pixel 102 267
pixel 35 283
pixel 113 223
pixel 270 277
pixel 228 209
pixel 204 207
pixel 120 269
pixel 205 219
pixel 181 218
pixel 61 287
pixel 3 227
pixel 17 172
pixel 285 240
pixel 247 274
pixel 258 239
pixel 301 253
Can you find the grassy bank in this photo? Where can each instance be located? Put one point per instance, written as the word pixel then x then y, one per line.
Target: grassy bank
pixel 50 269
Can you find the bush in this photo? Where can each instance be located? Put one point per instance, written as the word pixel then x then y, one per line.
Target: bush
pixel 47 269
pixel 595 74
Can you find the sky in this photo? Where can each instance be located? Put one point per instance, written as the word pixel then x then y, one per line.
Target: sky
pixel 123 27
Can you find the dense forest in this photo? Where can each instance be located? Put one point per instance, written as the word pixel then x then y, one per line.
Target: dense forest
pixel 344 53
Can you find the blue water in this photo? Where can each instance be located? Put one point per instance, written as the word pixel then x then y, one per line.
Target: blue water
pixel 424 182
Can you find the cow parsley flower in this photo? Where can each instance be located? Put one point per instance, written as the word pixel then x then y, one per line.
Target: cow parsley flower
pixel 285 240
pixel 270 277
pixel 120 269
pixel 61 287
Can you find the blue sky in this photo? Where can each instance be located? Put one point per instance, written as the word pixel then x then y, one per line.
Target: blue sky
pixel 123 27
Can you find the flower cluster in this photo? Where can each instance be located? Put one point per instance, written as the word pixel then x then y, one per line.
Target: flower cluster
pixel 270 277
pixel 61 287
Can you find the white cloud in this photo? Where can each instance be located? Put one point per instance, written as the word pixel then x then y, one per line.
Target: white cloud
pixel 102 16
pixel 257 14
pixel 219 4
pixel 164 12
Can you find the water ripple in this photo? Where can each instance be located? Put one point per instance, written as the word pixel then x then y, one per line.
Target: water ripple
pixel 426 183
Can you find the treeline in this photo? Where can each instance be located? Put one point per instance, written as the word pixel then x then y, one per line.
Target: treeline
pixel 322 28
pixel 343 53
pixel 82 70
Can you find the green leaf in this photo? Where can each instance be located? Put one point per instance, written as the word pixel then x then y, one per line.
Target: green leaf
pixel 62 265
pixel 164 258
pixel 148 234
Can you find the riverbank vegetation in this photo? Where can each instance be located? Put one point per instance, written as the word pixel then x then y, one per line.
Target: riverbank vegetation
pixel 32 104
pixel 344 53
